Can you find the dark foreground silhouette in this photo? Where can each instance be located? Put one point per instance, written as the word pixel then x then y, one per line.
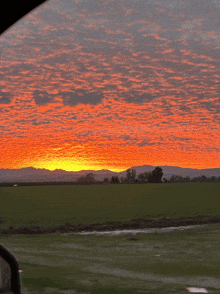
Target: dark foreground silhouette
pixel 139 223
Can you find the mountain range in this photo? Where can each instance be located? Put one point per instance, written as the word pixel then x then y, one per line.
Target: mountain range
pixel 31 174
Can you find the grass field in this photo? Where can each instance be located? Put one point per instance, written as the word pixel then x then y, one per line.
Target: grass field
pixel 152 263
pixel 166 262
pixel 56 205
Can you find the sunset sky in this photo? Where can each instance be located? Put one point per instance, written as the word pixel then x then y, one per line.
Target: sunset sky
pixel 110 84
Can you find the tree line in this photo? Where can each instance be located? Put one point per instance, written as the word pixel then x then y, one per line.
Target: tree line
pixel 154 176
pixel 201 179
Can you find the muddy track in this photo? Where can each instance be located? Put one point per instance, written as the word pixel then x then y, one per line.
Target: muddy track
pixel 139 223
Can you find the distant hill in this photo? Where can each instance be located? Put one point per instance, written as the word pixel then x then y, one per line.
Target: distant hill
pixel 31 174
pixel 168 171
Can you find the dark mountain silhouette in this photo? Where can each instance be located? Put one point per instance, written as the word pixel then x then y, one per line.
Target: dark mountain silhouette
pixel 31 174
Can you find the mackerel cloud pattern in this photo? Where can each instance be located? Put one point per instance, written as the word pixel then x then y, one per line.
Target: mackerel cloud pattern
pixel 90 84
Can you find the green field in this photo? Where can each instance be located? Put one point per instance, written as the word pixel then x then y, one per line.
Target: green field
pixel 56 205
pixel 151 263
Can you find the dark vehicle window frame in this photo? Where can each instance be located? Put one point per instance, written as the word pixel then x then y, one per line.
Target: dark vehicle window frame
pixel 15 280
pixel 10 12
pixel 13 10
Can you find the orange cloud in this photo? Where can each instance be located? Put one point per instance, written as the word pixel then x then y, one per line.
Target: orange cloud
pixel 109 89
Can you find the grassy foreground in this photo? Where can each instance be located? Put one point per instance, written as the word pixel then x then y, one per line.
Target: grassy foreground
pixel 56 205
pixel 152 263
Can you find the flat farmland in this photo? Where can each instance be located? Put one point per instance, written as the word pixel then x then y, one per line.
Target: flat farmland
pixel 56 205
pixel 159 261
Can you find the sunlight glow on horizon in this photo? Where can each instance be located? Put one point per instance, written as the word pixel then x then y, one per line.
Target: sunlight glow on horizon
pixel 69 165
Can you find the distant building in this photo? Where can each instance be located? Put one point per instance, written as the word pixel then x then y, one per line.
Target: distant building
pixel 15 185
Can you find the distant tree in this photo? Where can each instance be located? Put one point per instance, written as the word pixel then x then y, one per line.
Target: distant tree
pixel 88 179
pixel 148 176
pixel 145 177
pixel 203 179
pixel 156 176
pixel 213 179
pixel 141 177
pixel 128 175
pixel 176 179
pixel 133 175
pixel 122 179
pixel 106 180
pixel 114 180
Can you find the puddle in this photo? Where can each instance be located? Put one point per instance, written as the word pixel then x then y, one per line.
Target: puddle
pixel 142 231
pixel 197 290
